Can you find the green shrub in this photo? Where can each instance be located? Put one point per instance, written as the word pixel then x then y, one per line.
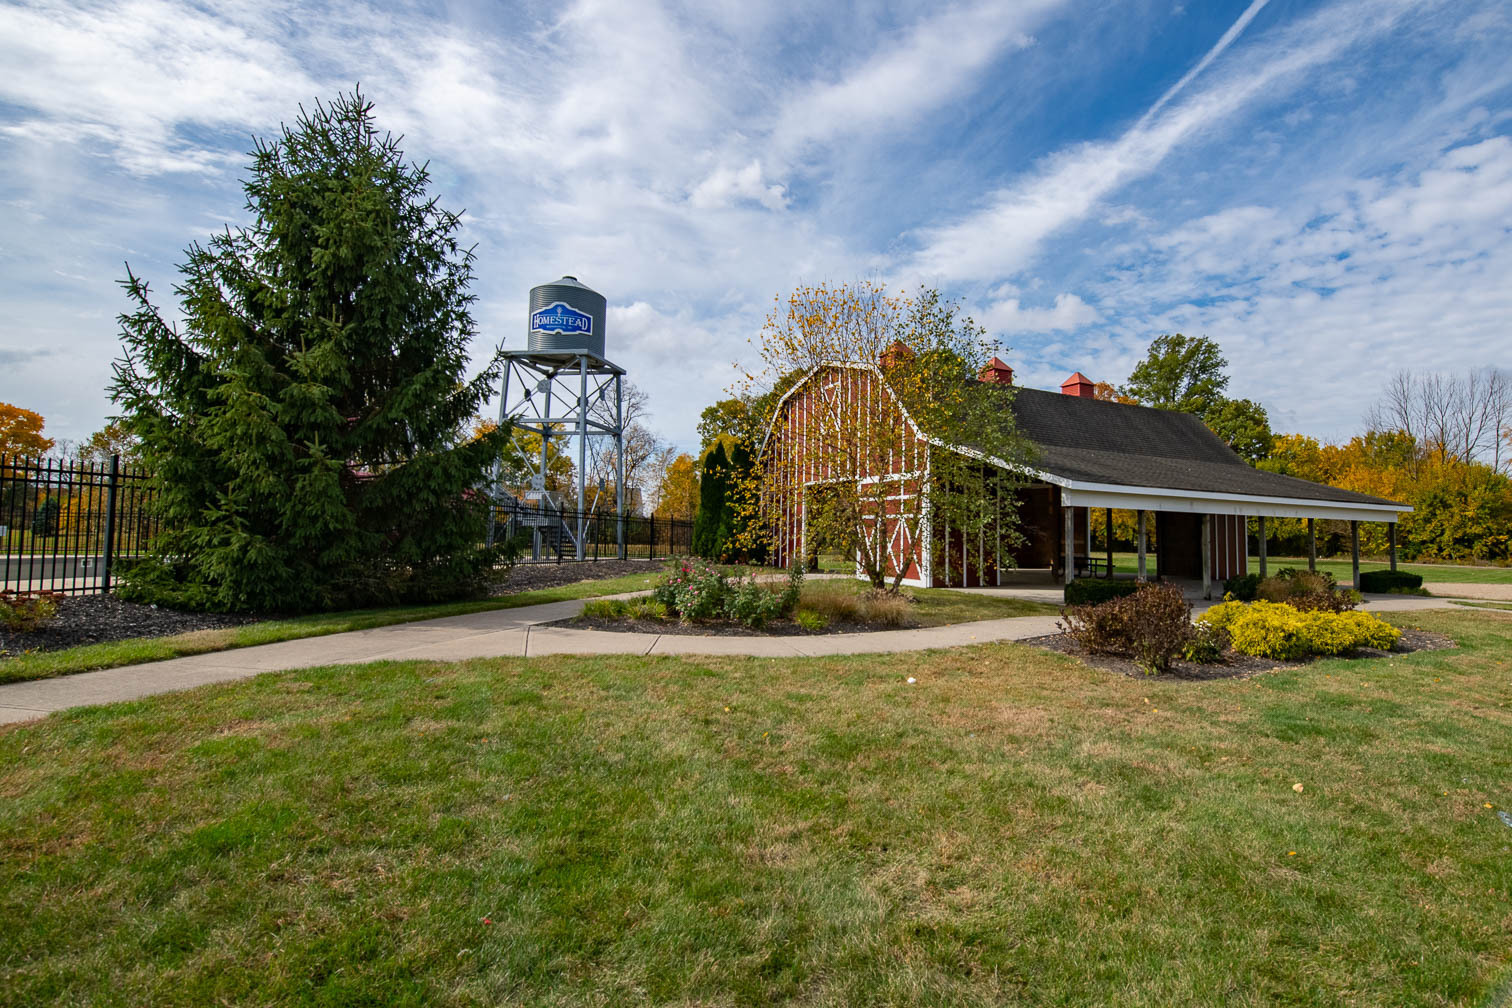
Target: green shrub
pixel 1281 631
pixel 1242 587
pixel 694 589
pixel 26 611
pixel 1152 626
pixel 752 603
pixel 1207 645
pixel 810 620
pixel 1091 591
pixel 1385 581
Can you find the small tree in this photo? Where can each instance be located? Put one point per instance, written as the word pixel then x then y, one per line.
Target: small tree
pixel 307 427
pixel 711 525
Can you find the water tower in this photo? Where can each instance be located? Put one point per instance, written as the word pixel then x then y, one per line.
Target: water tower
pixel 563 390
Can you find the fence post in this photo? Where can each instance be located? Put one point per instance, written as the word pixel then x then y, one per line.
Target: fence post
pixel 651 550
pixel 110 521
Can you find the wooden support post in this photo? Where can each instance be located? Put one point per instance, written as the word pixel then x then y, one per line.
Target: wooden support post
pixel 1261 538
pixel 1312 547
pixel 1141 544
pixel 1354 553
pixel 1110 543
pixel 1207 556
pixel 1391 538
pixel 1069 534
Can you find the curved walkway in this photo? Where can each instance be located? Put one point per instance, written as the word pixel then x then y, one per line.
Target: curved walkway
pixel 511 633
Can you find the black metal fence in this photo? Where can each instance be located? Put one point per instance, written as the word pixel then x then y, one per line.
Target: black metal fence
pixel 550 536
pixel 65 524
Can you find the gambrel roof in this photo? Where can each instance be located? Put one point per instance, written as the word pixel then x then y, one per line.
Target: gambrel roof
pixel 1110 454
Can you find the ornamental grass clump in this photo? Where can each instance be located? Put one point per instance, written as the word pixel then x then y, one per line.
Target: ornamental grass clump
pixel 1153 626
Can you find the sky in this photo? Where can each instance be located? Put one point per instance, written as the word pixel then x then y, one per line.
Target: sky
pixel 1325 189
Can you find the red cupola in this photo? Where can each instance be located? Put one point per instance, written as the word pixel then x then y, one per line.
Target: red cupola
pixel 1079 385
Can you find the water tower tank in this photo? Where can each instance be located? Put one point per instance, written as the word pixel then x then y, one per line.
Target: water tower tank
pixel 566 316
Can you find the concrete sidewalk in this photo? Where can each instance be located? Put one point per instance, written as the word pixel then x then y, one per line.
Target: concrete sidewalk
pixel 514 633
pixel 517 633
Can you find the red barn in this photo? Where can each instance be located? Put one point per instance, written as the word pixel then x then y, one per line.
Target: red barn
pixel 1093 454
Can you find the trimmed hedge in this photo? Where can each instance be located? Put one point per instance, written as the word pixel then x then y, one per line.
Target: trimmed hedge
pixel 1385 581
pixel 1242 586
pixel 1091 591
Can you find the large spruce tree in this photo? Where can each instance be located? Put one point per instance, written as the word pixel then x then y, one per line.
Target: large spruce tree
pixel 306 421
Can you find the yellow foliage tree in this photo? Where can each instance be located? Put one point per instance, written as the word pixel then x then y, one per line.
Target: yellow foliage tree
pixel 679 490
pixel 21 432
pixel 885 367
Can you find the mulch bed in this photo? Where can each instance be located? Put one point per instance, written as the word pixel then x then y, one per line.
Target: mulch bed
pixel 776 628
pixel 96 619
pixel 1234 665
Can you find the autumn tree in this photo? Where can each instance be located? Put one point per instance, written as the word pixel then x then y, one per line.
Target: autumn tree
pixel 737 417
pixel 307 424
pixel 677 490
pixel 857 471
pixel 21 432
pixel 112 439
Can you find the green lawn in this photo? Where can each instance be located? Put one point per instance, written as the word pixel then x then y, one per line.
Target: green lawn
pixel 941 606
pixel 1127 563
pixel 1013 828
pixel 45 664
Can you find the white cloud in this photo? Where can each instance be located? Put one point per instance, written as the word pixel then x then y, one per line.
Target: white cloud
pixel 725 186
pixel 1068 312
pixel 921 68
pixel 1004 235
pixel 1316 305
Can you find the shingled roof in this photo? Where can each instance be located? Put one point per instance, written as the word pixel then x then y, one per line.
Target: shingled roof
pixel 1094 441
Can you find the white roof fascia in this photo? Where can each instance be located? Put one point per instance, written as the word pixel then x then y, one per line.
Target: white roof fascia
pixel 1134 498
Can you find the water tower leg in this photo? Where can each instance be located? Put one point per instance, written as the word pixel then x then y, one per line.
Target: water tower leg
pixel 582 448
pixel 619 455
pixel 498 467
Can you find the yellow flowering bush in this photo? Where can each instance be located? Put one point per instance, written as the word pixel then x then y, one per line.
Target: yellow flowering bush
pixel 1369 630
pixel 1277 630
